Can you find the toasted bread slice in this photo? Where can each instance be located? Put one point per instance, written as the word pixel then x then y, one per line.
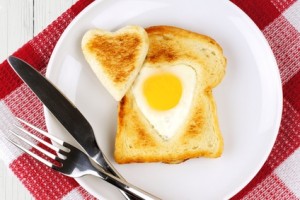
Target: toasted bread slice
pixel 137 140
pixel 116 57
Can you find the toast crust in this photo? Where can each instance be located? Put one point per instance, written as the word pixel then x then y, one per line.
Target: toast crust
pixel 136 139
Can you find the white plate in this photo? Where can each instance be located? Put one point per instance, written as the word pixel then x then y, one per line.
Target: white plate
pixel 249 99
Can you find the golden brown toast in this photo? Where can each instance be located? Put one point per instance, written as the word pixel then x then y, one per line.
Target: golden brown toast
pixel 116 57
pixel 137 140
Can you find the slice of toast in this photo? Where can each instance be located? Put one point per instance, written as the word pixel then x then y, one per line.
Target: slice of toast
pixel 116 57
pixel 137 140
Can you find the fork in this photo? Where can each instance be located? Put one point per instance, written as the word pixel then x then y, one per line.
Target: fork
pixel 72 162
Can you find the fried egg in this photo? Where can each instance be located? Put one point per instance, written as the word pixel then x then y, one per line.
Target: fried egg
pixel 164 95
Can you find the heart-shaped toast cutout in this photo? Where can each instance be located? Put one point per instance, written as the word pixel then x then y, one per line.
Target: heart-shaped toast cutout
pixel 116 57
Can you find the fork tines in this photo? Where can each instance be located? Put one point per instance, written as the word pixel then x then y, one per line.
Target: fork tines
pixel 76 163
pixel 59 151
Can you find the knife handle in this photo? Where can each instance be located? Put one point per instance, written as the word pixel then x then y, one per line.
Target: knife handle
pixel 132 191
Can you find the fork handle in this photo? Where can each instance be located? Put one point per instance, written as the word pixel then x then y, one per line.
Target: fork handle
pixel 128 188
pixel 103 162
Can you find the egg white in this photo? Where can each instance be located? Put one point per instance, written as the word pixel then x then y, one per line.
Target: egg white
pixel 167 123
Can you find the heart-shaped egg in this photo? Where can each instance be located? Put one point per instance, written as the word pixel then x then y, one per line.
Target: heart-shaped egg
pixel 164 95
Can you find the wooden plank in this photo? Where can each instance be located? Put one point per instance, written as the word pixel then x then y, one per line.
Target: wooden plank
pixel 3 30
pixel 47 11
pixel 16 25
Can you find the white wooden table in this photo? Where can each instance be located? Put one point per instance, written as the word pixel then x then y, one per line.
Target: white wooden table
pixel 20 21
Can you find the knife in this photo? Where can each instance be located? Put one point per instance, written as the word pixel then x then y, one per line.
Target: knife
pixel 66 113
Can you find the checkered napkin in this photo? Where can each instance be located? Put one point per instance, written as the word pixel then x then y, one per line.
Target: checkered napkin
pixel 279 178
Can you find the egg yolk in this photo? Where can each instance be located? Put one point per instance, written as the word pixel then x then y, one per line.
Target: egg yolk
pixel 162 91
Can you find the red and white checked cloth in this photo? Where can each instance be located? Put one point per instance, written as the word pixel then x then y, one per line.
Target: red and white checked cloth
pixel 279 178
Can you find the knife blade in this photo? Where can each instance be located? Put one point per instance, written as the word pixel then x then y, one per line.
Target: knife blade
pixel 66 112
